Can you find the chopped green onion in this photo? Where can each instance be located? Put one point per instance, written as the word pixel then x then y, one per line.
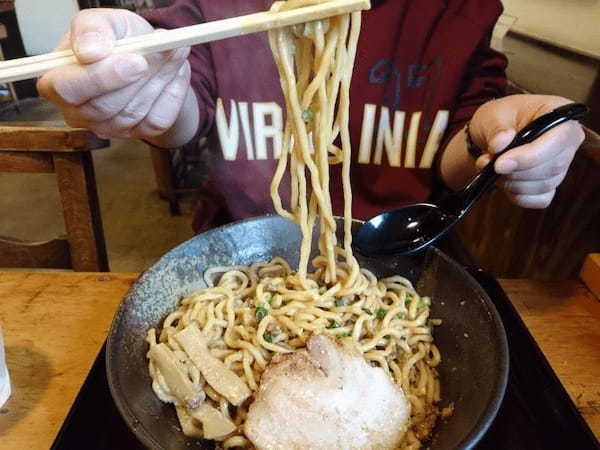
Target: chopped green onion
pixel 424 301
pixel 387 336
pixel 381 313
pixel 322 290
pixel 401 316
pixel 339 303
pixel 368 311
pixel 267 337
pixel 261 312
pixel 343 335
pixel 333 325
pixel 307 115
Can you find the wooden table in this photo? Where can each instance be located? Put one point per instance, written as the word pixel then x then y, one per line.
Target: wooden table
pixel 55 323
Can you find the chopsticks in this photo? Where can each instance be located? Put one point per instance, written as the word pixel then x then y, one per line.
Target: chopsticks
pixel 34 66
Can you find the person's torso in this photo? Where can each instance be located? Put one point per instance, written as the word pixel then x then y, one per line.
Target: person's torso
pixel 411 59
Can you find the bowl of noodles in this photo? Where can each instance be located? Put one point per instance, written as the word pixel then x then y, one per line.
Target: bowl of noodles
pixel 469 363
pixel 272 333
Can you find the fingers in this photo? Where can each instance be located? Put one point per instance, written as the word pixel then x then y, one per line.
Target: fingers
pixel 131 98
pixel 531 172
pixel 534 187
pixel 156 87
pixel 549 169
pixel 556 166
pixel 535 171
pixel 567 136
pixel 76 84
pixel 167 107
pixel 495 123
pixel 154 109
pixel 108 105
pixel 92 36
pixel 111 94
pixel 540 167
pixel 532 201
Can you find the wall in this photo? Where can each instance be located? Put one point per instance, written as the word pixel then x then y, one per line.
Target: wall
pixel 43 22
pixel 552 46
pixel 542 69
pixel 572 24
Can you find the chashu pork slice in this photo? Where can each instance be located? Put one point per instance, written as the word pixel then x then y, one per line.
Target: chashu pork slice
pixel 326 397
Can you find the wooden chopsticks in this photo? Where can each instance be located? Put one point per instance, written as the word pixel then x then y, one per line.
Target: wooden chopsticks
pixel 34 66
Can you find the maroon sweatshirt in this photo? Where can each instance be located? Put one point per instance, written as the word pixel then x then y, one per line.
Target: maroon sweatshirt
pixel 422 69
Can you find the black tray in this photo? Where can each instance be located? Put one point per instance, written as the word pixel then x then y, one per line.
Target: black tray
pixel 536 414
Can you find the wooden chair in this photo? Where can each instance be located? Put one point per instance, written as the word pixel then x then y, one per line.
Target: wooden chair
pixel 165 176
pixel 42 147
pixel 165 180
pixel 11 87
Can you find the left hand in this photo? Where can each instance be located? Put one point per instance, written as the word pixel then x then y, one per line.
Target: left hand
pixel 531 172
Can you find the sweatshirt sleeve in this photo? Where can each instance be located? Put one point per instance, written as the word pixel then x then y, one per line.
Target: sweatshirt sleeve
pixel 484 77
pixel 484 80
pixel 184 13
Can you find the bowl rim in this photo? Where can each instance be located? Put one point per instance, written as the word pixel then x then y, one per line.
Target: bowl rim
pixel 468 442
pixel 501 381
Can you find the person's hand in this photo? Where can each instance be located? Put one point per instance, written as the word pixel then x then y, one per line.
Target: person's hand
pixel 532 172
pixel 114 95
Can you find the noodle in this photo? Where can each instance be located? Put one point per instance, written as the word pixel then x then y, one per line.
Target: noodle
pixel 250 313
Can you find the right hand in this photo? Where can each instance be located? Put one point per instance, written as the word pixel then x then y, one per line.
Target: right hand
pixel 120 96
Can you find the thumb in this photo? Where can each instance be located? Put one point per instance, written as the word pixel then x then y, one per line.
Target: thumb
pixel 496 144
pixel 501 140
pixel 92 35
pixel 94 31
pixel 494 126
pixel 498 140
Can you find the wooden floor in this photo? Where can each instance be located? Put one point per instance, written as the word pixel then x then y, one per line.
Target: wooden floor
pixel 137 224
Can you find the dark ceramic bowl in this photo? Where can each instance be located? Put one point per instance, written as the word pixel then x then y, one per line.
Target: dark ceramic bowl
pixel 471 339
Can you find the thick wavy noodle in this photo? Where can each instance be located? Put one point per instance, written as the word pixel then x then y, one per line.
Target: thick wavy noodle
pixel 250 313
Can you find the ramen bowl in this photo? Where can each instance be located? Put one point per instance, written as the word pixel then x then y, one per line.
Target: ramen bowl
pixel 471 339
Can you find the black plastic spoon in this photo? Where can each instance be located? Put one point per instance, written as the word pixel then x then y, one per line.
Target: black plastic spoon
pixel 413 228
